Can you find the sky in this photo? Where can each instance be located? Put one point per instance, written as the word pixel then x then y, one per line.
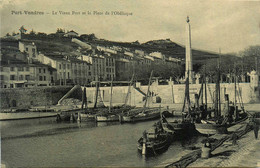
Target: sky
pixel 231 25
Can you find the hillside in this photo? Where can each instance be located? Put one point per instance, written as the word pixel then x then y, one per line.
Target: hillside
pixel 167 47
pixel 51 43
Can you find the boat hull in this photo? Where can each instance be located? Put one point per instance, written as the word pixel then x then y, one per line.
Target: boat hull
pixel 210 129
pixel 153 148
pixel 108 118
pixel 150 115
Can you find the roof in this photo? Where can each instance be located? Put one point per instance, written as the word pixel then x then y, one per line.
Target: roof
pixel 25 64
pixel 27 43
pixel 63 58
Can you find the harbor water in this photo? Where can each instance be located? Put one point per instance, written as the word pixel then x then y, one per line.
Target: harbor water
pixel 46 143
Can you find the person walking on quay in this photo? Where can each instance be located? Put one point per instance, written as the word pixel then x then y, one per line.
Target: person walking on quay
pixel 256 129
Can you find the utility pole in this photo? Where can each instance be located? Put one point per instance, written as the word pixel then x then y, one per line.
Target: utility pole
pixel 219 89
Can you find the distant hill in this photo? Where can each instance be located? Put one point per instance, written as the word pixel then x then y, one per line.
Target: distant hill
pixel 165 46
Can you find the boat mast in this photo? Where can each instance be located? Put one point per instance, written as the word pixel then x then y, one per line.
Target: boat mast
pixel 84 99
pixel 111 90
pixel 205 82
pixel 235 98
pixel 129 90
pixel 148 90
pixel 219 89
pixel 95 105
pixel 217 94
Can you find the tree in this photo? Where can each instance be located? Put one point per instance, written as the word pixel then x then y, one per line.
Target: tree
pixel 251 57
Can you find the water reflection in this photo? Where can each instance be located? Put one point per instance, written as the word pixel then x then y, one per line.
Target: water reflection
pixel 83 144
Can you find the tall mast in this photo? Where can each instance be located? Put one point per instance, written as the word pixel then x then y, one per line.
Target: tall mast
pixel 148 90
pixel 129 90
pixel 111 95
pixel 206 101
pixel 235 98
pixel 219 89
pixel 95 105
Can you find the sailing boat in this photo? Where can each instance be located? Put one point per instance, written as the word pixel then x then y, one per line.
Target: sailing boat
pixel 186 123
pixel 145 113
pixel 220 123
pixel 112 113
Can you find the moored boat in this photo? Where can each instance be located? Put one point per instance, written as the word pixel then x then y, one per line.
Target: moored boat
pixel 154 141
pixel 107 118
pixel 220 123
pixel 142 114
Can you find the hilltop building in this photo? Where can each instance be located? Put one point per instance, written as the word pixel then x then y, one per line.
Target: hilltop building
pixel 30 49
pixel 71 34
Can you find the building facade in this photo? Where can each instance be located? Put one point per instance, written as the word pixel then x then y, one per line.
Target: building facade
pixel 26 75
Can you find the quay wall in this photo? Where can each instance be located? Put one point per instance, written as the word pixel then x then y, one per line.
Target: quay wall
pixel 27 97
pixel 174 93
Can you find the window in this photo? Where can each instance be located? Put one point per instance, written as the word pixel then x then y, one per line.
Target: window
pixel 50 72
pixel 44 78
pixel 2 69
pixel 40 78
pixel 33 50
pixel 2 77
pixel 27 68
pixel 60 66
pixel 12 77
pixel 11 85
pixel 89 73
pixel 43 70
pixel 40 70
pixel 68 66
pixel 21 77
pixel 26 48
pixel 20 68
pixel 27 77
pixel 68 75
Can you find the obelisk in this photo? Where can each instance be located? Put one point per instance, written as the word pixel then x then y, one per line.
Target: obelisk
pixel 188 58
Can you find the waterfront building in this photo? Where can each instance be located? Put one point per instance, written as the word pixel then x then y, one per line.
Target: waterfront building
pixel 158 57
pixel 70 70
pixel 21 74
pixel 103 65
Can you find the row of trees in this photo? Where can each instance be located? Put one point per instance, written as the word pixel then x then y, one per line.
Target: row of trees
pixel 230 65
pixel 227 65
pixel 162 70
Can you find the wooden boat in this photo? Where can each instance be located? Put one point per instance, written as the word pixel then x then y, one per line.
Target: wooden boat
pixel 211 127
pixel 143 114
pixel 113 112
pixel 220 123
pixel 154 141
pixel 107 118
pixel 185 125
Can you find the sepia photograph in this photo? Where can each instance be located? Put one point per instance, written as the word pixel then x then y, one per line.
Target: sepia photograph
pixel 129 83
